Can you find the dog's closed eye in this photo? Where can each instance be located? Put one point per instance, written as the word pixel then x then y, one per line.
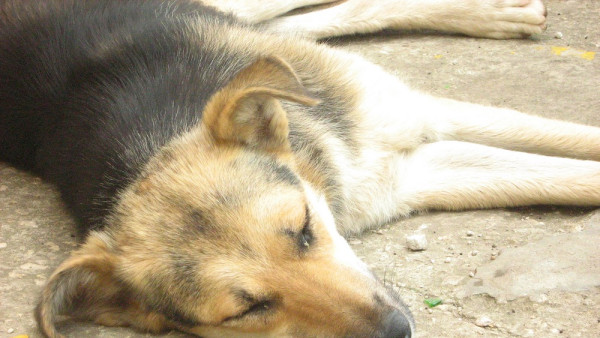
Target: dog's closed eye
pixel 306 237
pixel 255 307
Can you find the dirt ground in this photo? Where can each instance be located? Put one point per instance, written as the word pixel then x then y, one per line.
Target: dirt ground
pixel 509 272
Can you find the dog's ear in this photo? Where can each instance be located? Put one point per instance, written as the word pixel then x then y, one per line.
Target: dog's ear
pixel 247 110
pixel 85 287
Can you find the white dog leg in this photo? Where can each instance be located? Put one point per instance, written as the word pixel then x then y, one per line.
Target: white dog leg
pixel 452 175
pixel 499 19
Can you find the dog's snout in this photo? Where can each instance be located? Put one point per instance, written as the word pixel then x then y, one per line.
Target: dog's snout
pixel 396 325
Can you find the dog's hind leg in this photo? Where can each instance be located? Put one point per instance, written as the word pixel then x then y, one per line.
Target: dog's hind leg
pixel 499 19
pixel 255 11
pixel 454 175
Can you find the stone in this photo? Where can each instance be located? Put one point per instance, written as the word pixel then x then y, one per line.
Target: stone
pixel 484 321
pixel 416 242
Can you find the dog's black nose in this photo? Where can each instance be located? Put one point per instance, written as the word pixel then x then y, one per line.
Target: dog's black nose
pixel 396 325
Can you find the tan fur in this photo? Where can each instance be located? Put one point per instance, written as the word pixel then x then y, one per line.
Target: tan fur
pixel 214 224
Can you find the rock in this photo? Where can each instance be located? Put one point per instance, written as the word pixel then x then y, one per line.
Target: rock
pixel 539 298
pixel 558 35
pixel 3 245
pixel 484 321
pixel 11 330
pixel 474 253
pixel 447 260
pixel 565 262
pixel 416 242
pixel 470 233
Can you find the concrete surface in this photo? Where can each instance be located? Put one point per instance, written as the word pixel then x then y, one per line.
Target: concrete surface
pixel 551 290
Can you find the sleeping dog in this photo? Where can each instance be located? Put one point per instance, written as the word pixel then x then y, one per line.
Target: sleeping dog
pixel 214 160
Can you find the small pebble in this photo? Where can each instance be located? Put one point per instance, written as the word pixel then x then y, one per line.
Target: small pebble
pixel 474 253
pixel 555 331
pixel 447 260
pixel 3 245
pixel 11 330
pixel 484 321
pixel 417 242
pixel 355 241
pixel 558 35
pixel 493 257
pixel 541 298
pixel 471 274
pixel 470 233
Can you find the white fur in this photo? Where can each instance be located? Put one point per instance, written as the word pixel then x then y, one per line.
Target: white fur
pixel 343 252
pixel 500 19
pixel 419 152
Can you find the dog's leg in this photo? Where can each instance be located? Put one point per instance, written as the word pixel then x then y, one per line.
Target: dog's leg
pixel 255 11
pixel 453 175
pixel 499 19
pixel 509 129
pixel 414 152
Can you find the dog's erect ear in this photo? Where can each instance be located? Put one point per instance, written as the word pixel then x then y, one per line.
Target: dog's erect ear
pixel 247 111
pixel 85 287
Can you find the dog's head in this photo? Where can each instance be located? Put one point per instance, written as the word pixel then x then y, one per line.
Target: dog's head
pixel 222 237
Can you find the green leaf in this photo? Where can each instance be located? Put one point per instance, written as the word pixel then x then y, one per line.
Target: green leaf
pixel 433 302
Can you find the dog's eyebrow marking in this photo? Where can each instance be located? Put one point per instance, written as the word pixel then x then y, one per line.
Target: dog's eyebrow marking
pixel 285 174
pixel 275 171
pixel 199 221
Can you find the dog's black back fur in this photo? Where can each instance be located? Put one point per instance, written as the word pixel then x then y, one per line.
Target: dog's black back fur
pixel 89 90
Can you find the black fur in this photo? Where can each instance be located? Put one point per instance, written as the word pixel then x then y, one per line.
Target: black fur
pixel 89 90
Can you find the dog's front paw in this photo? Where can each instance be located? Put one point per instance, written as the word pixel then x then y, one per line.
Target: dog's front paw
pixel 504 19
